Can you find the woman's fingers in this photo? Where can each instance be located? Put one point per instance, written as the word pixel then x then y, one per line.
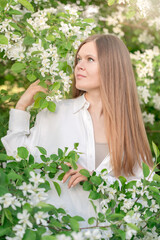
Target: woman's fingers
pixel 28 97
pixel 75 179
pixel 68 174
pixel 75 176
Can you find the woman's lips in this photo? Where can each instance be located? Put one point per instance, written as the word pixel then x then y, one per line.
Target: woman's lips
pixel 80 76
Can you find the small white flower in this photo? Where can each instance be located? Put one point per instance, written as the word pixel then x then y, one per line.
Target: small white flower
pixel 77 236
pixel 39 216
pixel 20 230
pixel 154 207
pixel 101 188
pixel 24 218
pixel 63 237
pixel 121 196
pixel 134 191
pixel 25 188
pixel 36 178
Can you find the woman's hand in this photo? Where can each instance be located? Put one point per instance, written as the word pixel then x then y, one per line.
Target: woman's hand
pixel 28 96
pixel 75 176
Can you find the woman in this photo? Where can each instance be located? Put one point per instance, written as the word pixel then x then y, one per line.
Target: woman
pixel 104 117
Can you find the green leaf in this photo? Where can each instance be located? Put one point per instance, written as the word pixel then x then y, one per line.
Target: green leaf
pixel 5 230
pixel 84 172
pixel 115 217
pixel 153 189
pixel 88 20
pixel 155 149
pixel 73 164
pixel 74 224
pixel 91 220
pixel 130 184
pixel 65 167
pixel 78 218
pixel 3 3
pixel 123 180
pixel 60 153
pixel 56 85
pixel 54 157
pixel 44 158
pixel 27 5
pixel 14 176
pixel 118 232
pixel 3 157
pixel 3 40
pixel 111 2
pixel 156 177
pixel 60 177
pixel 58 188
pixel 146 170
pixel 31 77
pixel 96 180
pixel 15 26
pixel 51 106
pixel 8 215
pixel 31 159
pixel 28 40
pixel 14 12
pixel 50 38
pixel 42 150
pixel 94 206
pixel 29 234
pixel 35 52
pixel 48 238
pixel 46 207
pixel 18 67
pixel 133 226
pixel 22 152
pixel 3 190
pixel 87 186
pixel 76 145
pixel 94 195
pixel 101 217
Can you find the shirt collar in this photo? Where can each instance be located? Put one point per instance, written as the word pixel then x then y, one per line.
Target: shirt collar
pixel 79 103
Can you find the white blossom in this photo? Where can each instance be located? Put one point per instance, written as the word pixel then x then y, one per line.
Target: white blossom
pixel 25 188
pixel 154 207
pixel 101 188
pixel 19 230
pixel 36 178
pixel 156 101
pixel 63 237
pixel 24 218
pixel 130 232
pixel 148 117
pixel 40 218
pixel 144 94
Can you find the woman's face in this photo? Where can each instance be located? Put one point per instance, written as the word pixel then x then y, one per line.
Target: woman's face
pixel 87 69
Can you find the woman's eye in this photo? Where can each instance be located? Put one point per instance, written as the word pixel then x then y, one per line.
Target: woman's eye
pixel 90 59
pixel 78 60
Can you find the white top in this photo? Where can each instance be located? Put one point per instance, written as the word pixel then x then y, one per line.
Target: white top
pixel 70 123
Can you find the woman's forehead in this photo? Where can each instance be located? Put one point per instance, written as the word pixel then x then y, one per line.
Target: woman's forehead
pixel 88 48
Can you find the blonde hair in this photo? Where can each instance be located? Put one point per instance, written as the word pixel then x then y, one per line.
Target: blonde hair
pixel 125 131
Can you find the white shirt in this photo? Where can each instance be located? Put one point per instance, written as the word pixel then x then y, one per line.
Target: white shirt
pixel 70 123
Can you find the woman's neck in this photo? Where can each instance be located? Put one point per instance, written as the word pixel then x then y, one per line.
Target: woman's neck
pixel 95 103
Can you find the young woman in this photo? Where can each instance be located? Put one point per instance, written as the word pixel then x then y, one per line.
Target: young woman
pixel 104 117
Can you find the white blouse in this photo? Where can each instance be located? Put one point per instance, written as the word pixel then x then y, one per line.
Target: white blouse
pixel 70 123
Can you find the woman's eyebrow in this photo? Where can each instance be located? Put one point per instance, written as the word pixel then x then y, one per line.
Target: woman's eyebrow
pixel 88 55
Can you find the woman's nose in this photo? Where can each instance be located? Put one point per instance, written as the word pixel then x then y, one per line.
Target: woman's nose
pixel 81 65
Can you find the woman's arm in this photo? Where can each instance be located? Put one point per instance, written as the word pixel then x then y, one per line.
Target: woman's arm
pixel 19 132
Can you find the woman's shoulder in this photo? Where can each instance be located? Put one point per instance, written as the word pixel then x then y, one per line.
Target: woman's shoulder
pixel 61 106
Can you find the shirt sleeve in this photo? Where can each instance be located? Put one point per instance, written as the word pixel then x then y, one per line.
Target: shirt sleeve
pixel 19 133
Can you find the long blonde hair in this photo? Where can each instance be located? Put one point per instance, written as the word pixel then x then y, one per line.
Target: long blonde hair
pixel 125 131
